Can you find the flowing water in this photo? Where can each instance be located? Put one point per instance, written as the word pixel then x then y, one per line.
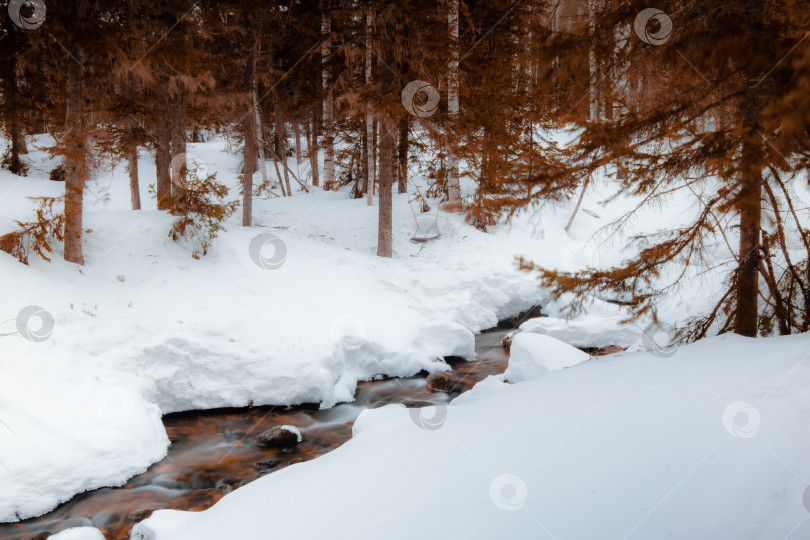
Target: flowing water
pixel 212 452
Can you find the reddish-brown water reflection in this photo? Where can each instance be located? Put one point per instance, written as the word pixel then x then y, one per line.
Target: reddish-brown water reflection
pixel 212 451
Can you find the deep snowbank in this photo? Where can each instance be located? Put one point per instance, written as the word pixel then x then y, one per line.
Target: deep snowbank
pixel 143 329
pixel 713 442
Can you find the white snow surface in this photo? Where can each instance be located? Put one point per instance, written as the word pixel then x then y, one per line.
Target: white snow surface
pixel 534 355
pixel 713 442
pixel 143 329
pixel 78 533
pixel 599 324
pixel 584 333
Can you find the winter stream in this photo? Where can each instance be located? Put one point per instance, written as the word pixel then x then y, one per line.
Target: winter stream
pixel 213 452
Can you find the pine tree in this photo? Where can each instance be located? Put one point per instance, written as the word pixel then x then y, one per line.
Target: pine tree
pixel 711 105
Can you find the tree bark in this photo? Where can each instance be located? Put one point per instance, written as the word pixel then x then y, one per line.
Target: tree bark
pixel 453 189
pixel 364 159
pixel 374 172
pixel 258 121
pixel 281 139
pixel 297 134
pixel 403 155
pixel 248 160
pixel 312 150
pixel 369 172
pixel 178 125
pixel 328 105
pixel 385 225
pixel 10 113
pixel 75 164
pixel 593 103
pixel 134 185
pixel 579 203
pixel 163 158
pixel 178 148
pixel 749 205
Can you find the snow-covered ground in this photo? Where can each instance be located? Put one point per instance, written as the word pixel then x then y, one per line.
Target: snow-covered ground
pixel 143 329
pixel 712 442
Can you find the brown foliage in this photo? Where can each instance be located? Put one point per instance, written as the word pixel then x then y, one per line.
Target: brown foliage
pixel 36 235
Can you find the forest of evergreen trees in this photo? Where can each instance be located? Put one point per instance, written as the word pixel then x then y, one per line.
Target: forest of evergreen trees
pixel 710 96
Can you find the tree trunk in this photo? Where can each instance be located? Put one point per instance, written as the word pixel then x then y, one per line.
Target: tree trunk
pixel 11 111
pixel 749 205
pixel 75 164
pixel 248 162
pixel 403 155
pixel 258 123
pixel 369 172
pixel 134 186
pixel 281 139
pixel 163 160
pixel 328 105
pixel 15 164
pixel 312 150
pixel 178 149
pixel 579 203
pixel 178 127
pixel 593 103
pixel 453 189
pixel 278 175
pixel 374 173
pixel 385 226
pixel 297 133
pixel 364 159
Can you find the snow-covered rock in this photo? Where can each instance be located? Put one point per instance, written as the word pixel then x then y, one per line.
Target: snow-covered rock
pixel 534 355
pixel 279 437
pixel 587 332
pixel 78 533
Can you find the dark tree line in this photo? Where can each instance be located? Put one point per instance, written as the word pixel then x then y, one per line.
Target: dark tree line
pixel 704 96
